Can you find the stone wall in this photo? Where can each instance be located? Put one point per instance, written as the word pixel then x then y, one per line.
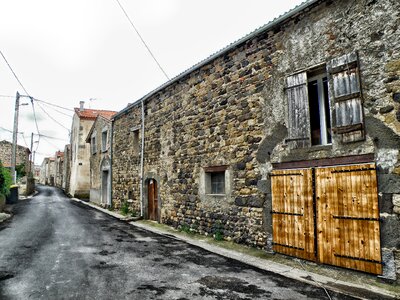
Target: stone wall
pixel 99 158
pixel 233 112
pixel 6 153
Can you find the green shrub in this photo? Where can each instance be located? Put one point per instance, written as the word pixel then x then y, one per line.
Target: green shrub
pixel 5 180
pixel 20 170
pixel 125 208
pixel 133 213
pixel 185 228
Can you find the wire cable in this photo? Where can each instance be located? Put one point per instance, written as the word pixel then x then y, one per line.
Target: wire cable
pixel 15 75
pixel 60 112
pixel 48 103
pixel 23 87
pixel 144 43
pixel 52 118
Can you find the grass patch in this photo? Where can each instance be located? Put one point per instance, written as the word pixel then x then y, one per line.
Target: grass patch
pixel 125 208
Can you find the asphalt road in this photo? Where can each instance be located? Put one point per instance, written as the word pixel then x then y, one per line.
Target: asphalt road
pixel 54 248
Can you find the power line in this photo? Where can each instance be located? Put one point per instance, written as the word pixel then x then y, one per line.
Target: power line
pixel 56 147
pixel 52 137
pixel 52 118
pixel 60 112
pixel 15 75
pixel 48 103
pixel 144 43
pixel 20 83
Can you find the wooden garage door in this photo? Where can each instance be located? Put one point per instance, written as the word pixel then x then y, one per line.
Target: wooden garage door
pixel 292 213
pixel 348 217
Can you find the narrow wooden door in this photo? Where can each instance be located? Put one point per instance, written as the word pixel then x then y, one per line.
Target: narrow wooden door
pixel 152 200
pixel 348 217
pixel 293 213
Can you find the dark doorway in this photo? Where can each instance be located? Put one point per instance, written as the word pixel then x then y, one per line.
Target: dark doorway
pixel 152 200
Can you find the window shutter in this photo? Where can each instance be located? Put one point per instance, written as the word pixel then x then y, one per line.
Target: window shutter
pixel 299 114
pixel 347 98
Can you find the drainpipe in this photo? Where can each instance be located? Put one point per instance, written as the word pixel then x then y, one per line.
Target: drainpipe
pixel 141 163
pixel 111 161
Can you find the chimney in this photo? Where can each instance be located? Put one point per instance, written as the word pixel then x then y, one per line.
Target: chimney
pixel 81 104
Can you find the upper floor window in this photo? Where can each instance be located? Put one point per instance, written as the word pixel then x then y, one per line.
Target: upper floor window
pixel 93 145
pixel 136 142
pixel 309 106
pixel 320 119
pixel 104 136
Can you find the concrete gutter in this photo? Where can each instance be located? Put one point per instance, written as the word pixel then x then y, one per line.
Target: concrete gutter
pixel 328 283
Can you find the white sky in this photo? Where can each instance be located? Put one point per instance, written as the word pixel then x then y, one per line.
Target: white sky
pixel 67 51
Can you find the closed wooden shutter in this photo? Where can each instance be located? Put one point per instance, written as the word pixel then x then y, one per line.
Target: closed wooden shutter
pixel 348 106
pixel 292 213
pixel 348 217
pixel 298 111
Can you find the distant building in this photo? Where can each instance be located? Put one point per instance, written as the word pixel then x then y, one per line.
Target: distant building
pixel 66 168
pixel 21 158
pixel 59 168
pixel 80 151
pixel 100 176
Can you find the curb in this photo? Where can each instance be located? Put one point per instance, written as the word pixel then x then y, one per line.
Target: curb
pixel 324 282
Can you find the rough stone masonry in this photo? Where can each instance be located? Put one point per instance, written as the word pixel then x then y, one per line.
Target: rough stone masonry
pixel 229 114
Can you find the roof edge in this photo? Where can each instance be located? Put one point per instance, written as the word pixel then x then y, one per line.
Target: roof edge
pixel 217 54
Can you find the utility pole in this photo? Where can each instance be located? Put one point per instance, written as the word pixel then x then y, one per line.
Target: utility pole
pixel 30 155
pixel 14 146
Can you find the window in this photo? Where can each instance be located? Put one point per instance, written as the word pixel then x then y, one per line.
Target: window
pixel 217 181
pixel 104 135
pixel 136 142
pixel 93 144
pixel 320 120
pixel 309 121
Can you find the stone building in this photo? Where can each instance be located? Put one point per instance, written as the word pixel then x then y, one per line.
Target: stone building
pixel 6 153
pixel 287 139
pixel 59 168
pixel 48 171
pixel 100 175
pixel 79 184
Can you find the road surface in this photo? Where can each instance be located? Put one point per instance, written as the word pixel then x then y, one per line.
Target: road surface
pixel 55 248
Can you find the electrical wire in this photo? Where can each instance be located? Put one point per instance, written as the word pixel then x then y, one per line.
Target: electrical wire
pixel 144 43
pixel 26 92
pixel 60 112
pixel 50 143
pixel 15 75
pixel 55 105
pixel 52 118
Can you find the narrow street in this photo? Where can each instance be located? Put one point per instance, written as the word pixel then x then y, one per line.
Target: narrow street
pixel 54 248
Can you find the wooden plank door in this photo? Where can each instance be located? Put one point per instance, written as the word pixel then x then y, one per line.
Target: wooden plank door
pixel 293 213
pixel 152 200
pixel 348 217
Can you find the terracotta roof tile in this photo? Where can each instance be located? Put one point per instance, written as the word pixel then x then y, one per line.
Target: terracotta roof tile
pixel 91 114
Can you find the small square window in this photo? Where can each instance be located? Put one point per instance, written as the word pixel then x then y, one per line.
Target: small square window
pixel 217 182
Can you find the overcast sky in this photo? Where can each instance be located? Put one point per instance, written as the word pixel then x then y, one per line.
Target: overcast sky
pixel 67 51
